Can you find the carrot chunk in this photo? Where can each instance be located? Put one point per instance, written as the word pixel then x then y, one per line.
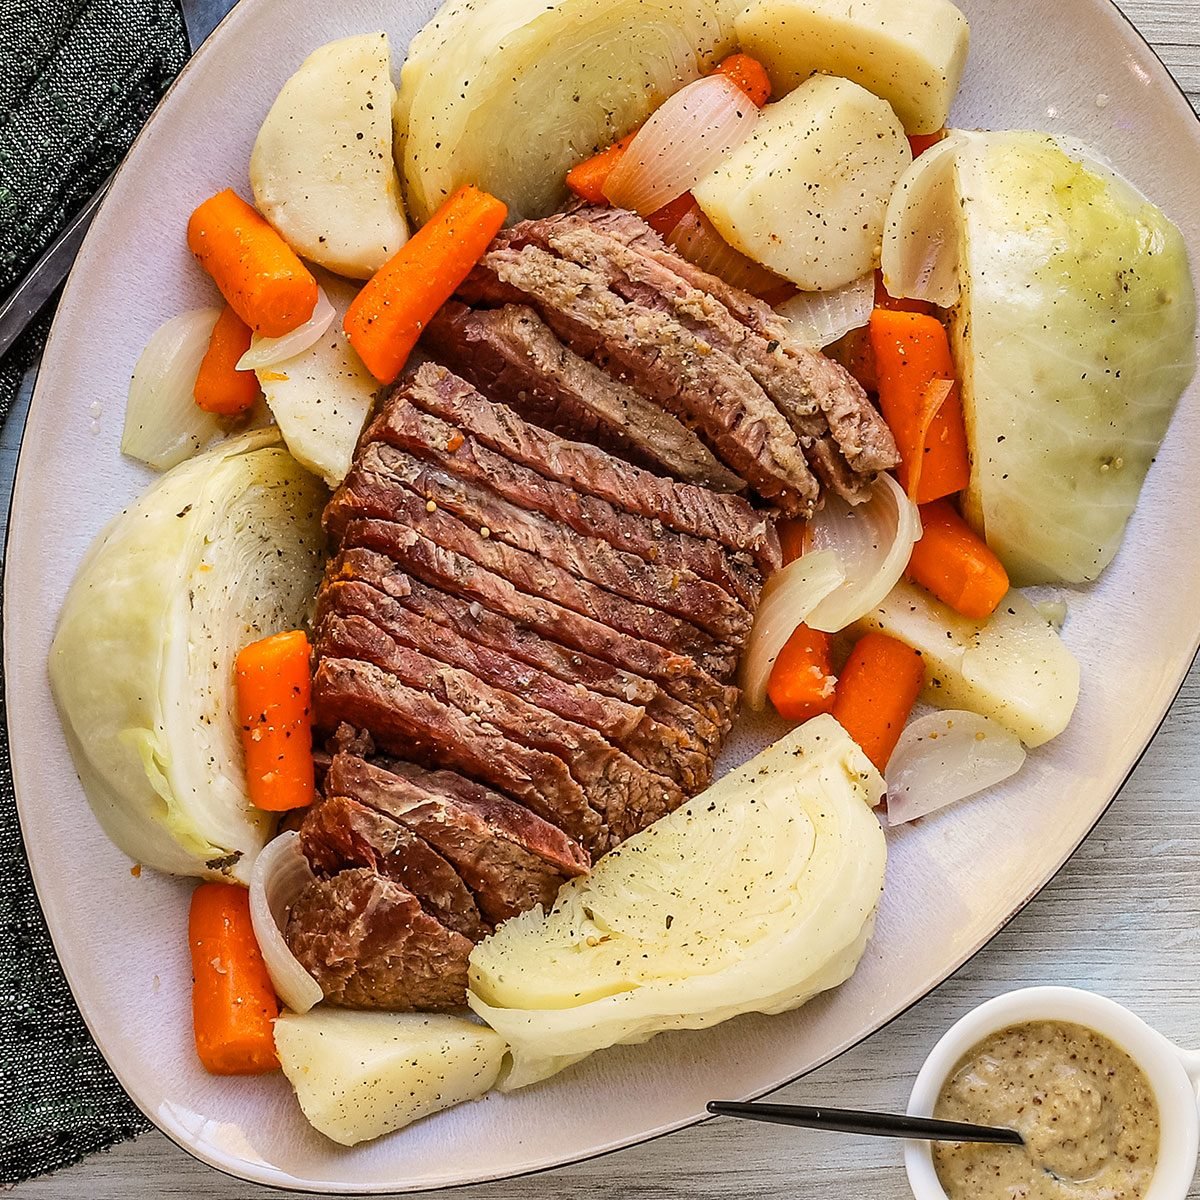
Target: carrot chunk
pixel 587 179
pixel 920 142
pixel 220 386
pixel 258 273
pixel 664 220
pixel 748 74
pixel 390 313
pixel 802 682
pixel 234 1005
pixel 912 351
pixel 955 564
pixel 274 698
pixel 876 691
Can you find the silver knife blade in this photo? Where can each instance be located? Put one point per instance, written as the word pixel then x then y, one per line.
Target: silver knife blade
pixel 28 297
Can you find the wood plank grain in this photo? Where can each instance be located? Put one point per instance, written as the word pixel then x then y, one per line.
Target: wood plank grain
pixel 1122 918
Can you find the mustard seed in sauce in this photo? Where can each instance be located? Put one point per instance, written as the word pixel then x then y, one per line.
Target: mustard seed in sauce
pixel 1084 1107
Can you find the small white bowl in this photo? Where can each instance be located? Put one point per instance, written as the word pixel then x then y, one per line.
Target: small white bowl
pixel 1174 1075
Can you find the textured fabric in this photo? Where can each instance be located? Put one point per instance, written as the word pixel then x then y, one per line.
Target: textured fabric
pixel 78 78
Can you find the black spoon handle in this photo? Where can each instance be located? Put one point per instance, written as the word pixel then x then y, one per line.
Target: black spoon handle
pixel 873 1124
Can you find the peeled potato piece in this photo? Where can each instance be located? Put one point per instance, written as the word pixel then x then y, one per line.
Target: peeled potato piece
pixel 322 397
pixel 534 86
pixel 322 168
pixel 1013 668
pixel 910 52
pixel 806 194
pixel 359 1075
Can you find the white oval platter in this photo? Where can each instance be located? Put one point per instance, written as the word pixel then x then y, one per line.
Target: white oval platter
pixel 1071 66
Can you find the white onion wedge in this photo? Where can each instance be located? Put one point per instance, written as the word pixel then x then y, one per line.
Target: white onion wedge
pixel 946 757
pixel 873 543
pixel 267 352
pixel 818 319
pixel 696 239
pixel 681 143
pixel 163 426
pixel 280 873
pixel 788 598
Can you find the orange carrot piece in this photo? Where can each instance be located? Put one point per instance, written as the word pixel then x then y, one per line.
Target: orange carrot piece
pixel 665 219
pixel 390 313
pixel 258 273
pixel 749 74
pixel 912 350
pixel 876 691
pixel 897 303
pixel 220 386
pixel 587 179
pixel 954 563
pixel 274 700
pixel 234 1005
pixel 791 539
pixel 920 142
pixel 802 682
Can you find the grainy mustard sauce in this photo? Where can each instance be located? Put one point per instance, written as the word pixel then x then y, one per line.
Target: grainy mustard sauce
pixel 1084 1107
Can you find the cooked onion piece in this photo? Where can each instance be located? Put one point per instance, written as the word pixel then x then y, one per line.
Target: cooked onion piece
pixel 359 1075
pixel 819 319
pixel 788 599
pixel 680 143
pixel 754 897
pixel 697 240
pixel 163 425
pixel 224 549
pixel 873 543
pixel 946 757
pixel 281 872
pixel 1013 668
pixel 266 352
pixel 547 83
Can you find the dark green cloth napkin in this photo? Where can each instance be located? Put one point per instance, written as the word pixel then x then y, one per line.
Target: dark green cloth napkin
pixel 78 78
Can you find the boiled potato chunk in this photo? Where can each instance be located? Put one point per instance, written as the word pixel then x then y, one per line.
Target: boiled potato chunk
pixel 1013 668
pixel 910 52
pixel 531 87
pixel 322 397
pixel 322 169
pixel 754 897
pixel 359 1075
pixel 806 194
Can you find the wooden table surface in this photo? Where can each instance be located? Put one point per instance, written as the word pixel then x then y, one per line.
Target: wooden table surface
pixel 1123 918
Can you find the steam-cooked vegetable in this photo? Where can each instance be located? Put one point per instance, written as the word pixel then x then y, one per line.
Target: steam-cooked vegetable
pixel 802 681
pixel 788 598
pixel 793 862
pixel 223 386
pixel 281 873
pixel 953 563
pixel 222 549
pixel 682 141
pixel 233 1001
pixel 322 168
pixel 359 1075
pixel 1014 667
pixel 805 195
pixel 911 53
pixel 873 543
pixel 1074 337
pixel 321 398
pixel 876 692
pixel 946 757
pixel 535 86
pixel 257 272
pixel 819 319
pixel 266 352
pixel 163 425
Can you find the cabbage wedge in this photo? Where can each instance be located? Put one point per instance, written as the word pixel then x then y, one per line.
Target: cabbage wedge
pixel 1075 336
pixel 754 897
pixel 222 550
pixel 546 84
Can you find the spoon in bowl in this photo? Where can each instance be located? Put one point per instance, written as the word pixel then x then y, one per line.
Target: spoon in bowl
pixel 873 1124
